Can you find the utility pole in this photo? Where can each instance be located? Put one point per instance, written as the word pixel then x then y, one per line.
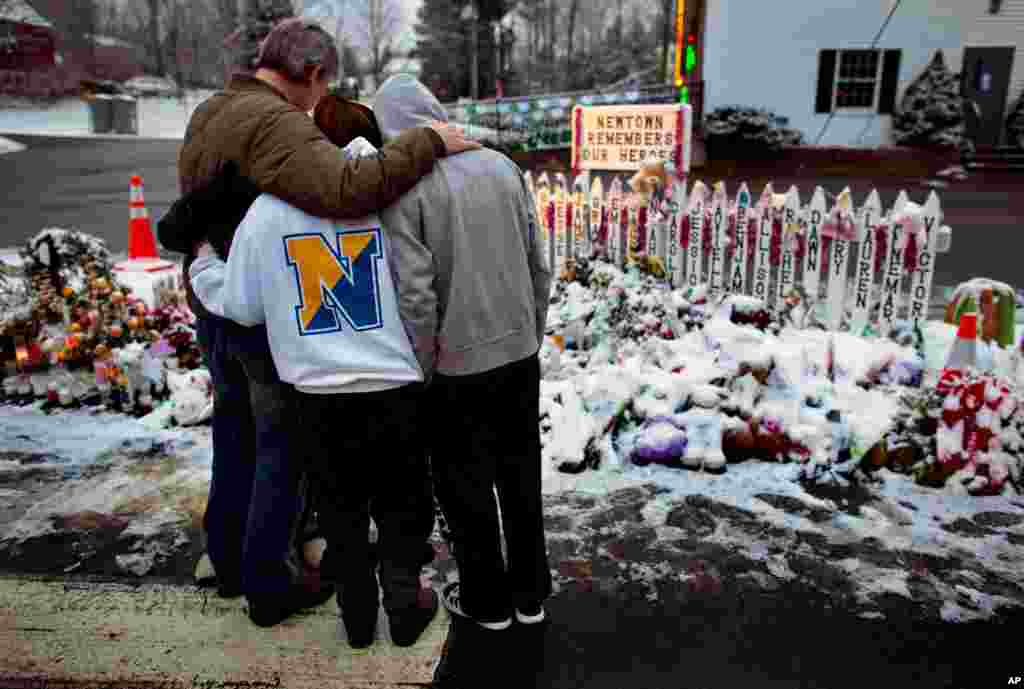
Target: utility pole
pixel 473 16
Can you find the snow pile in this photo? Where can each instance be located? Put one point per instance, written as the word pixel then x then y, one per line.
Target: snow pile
pixel 8 146
pixel 637 373
pixel 159 118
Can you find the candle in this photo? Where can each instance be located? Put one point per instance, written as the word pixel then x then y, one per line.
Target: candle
pixel 100 367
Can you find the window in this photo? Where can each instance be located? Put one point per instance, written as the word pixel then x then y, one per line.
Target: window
pixel 994 6
pixel 857 81
pixel 857 78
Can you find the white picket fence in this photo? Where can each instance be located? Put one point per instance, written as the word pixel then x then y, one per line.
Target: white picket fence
pixel 875 267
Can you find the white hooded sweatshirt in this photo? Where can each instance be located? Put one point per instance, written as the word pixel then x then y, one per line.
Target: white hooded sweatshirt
pixel 323 288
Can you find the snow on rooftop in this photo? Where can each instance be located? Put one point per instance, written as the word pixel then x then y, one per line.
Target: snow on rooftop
pixel 23 13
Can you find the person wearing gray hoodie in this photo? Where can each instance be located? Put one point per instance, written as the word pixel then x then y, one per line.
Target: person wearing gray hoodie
pixel 473 289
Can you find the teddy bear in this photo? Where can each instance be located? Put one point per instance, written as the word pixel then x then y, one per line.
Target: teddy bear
pixel 191 396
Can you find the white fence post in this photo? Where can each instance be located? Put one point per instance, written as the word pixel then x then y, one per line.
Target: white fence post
pixel 864 279
pixel 632 228
pixel 637 223
pixel 596 210
pixel 719 223
pixel 924 270
pixel 677 207
pixel 790 232
pixel 841 224
pixel 543 201
pixel 560 229
pixel 738 272
pixel 615 222
pixel 579 241
pixel 695 244
pixel 762 252
pixel 812 246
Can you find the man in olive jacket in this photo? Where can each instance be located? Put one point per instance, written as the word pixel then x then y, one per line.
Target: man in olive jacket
pixel 261 124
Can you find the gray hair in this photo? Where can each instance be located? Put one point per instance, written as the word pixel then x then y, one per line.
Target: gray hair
pixel 295 46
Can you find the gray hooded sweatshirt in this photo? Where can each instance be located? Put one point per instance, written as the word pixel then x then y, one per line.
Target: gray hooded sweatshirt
pixel 473 281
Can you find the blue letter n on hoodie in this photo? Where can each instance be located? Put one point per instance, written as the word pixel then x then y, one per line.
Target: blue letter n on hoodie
pixel 336 284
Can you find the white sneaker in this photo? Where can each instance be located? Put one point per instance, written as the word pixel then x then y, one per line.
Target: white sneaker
pixel 451 599
pixel 537 618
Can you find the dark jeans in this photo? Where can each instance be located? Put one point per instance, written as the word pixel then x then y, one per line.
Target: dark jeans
pixel 485 435
pixel 366 457
pixel 257 484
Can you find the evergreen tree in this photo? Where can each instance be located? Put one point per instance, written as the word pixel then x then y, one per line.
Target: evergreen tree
pixel 443 45
pixel 931 111
pixel 437 31
pixel 261 17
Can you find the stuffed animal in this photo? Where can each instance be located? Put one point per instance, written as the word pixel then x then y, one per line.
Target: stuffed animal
pixel 129 360
pixel 191 396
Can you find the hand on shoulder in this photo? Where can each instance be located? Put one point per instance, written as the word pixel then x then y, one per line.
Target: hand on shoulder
pixel 453 138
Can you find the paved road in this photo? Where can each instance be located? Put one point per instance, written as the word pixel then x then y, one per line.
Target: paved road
pixel 83 183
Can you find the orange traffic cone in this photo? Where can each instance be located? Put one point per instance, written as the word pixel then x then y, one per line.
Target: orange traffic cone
pixel 141 243
pixel 142 255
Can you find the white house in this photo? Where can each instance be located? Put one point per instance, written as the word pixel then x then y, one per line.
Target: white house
pixel 819 65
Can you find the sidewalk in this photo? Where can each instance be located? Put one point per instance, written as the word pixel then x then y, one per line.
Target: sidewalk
pixel 81 635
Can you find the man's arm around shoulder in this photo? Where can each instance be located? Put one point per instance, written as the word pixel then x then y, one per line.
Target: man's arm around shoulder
pixel 293 160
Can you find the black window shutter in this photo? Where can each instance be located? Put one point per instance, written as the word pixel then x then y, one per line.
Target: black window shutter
pixel 826 76
pixel 890 81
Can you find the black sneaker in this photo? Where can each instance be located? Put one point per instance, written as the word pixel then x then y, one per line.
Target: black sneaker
pixel 270 611
pixel 409 623
pixel 229 590
pixel 359 601
pixel 360 625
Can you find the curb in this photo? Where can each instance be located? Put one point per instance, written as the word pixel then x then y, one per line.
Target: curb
pixel 88 135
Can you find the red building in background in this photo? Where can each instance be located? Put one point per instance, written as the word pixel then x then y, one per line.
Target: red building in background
pixel 38 59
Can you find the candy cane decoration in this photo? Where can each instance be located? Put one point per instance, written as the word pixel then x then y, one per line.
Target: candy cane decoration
pixel 763 249
pixel 840 228
pixel 694 248
pixel 738 272
pixel 867 219
pixel 790 232
pixel 719 223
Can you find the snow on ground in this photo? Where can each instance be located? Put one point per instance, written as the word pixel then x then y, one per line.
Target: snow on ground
pixel 158 118
pixel 105 469
pixel 8 146
pixel 872 540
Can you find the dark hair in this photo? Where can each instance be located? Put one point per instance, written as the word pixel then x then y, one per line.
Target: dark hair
pixel 343 120
pixel 295 46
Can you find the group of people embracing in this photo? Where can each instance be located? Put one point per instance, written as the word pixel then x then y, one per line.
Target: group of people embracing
pixel 371 292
